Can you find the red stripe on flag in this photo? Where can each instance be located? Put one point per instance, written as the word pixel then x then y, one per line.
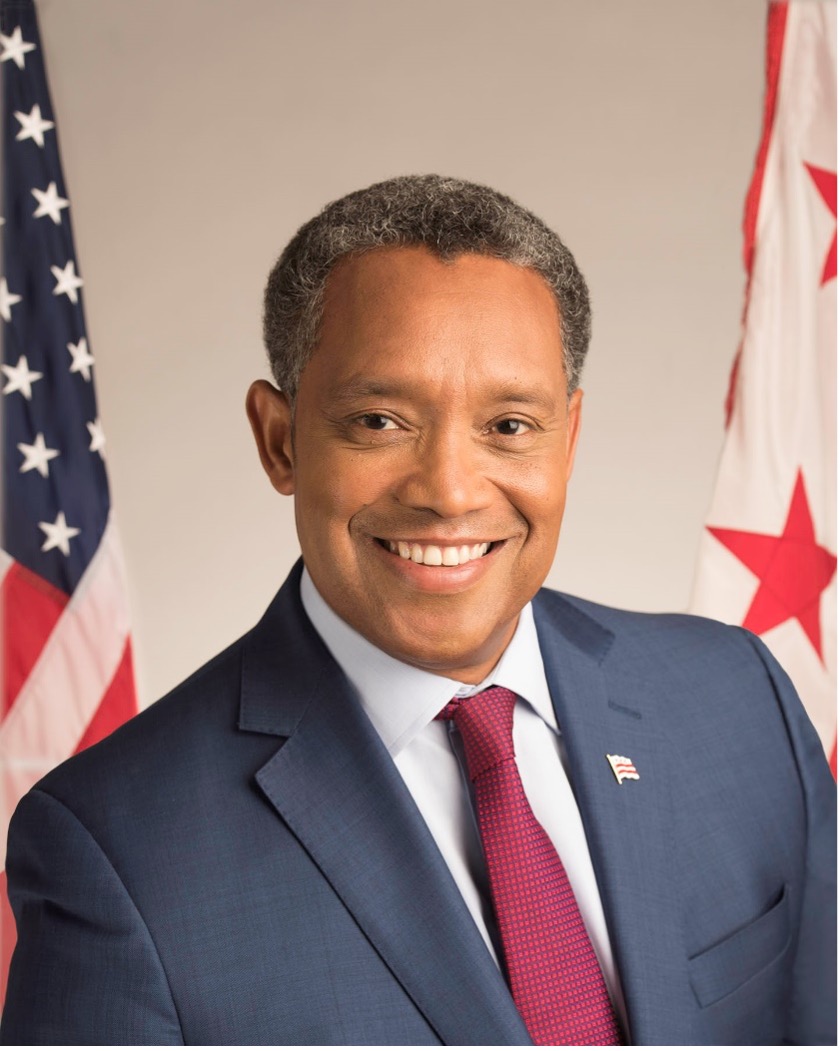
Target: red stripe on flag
pixel 776 22
pixel 118 704
pixel 30 608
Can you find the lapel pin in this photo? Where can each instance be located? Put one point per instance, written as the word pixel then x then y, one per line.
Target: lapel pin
pixel 623 768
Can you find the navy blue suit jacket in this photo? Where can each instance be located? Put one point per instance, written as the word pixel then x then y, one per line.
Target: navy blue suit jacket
pixel 242 863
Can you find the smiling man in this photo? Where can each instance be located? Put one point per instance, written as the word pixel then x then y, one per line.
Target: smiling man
pixel 437 396
pixel 425 800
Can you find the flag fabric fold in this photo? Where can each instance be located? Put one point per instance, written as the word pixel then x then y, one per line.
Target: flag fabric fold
pixel 67 676
pixel 767 557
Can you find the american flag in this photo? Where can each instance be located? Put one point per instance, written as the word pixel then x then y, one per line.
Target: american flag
pixel 67 677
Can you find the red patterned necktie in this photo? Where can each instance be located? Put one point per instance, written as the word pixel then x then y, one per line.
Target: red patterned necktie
pixel 554 976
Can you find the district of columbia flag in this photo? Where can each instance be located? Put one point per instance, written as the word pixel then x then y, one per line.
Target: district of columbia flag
pixel 66 667
pixel 767 557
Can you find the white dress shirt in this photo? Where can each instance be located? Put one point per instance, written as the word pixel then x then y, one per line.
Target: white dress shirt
pixel 402 702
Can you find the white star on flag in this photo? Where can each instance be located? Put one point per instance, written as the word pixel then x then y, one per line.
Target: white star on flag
pixel 59 534
pixel 49 203
pixel 97 437
pixel 7 300
pixel 82 358
pixel 20 378
pixel 37 456
pixel 32 125
pixel 15 47
pixel 67 281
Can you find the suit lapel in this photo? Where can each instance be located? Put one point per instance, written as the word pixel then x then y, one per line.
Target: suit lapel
pixel 629 826
pixel 337 789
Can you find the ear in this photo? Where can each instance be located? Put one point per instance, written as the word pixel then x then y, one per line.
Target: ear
pixel 572 429
pixel 270 416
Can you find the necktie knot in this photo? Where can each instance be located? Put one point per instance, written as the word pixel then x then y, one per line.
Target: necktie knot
pixel 485 722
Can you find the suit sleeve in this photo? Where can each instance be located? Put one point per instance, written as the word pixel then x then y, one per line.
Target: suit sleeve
pixel 812 1017
pixel 85 969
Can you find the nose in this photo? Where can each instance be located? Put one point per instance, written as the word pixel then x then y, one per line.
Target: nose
pixel 447 474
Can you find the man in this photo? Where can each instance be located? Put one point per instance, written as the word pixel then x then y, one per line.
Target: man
pixel 323 836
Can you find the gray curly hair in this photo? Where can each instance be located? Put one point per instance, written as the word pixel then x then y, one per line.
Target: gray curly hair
pixel 450 217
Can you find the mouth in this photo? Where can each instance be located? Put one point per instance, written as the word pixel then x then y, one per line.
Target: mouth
pixel 438 555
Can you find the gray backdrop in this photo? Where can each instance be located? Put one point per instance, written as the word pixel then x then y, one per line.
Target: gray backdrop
pixel 198 134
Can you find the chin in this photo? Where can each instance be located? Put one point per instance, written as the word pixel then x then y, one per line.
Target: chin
pixel 443 654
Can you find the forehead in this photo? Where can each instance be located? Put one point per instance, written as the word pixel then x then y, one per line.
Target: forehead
pixel 391 297
pixel 402 321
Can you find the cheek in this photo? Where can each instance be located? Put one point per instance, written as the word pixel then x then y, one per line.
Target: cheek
pixel 538 492
pixel 332 491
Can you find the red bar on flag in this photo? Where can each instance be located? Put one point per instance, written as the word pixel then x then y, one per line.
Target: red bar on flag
pixel 66 677
pixel 767 557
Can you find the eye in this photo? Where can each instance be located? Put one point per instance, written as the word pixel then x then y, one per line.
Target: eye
pixel 375 421
pixel 511 428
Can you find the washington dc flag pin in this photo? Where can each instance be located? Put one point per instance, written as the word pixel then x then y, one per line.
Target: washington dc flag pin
pixel 623 768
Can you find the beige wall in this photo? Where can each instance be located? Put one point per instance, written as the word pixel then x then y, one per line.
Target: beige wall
pixel 198 134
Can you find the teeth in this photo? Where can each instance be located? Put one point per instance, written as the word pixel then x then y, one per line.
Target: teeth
pixel 432 555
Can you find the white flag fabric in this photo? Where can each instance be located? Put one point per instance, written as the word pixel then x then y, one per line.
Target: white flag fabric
pixel 767 557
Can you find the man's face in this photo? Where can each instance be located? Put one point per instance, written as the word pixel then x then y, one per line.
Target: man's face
pixel 429 454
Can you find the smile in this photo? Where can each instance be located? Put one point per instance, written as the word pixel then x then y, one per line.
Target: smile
pixel 433 555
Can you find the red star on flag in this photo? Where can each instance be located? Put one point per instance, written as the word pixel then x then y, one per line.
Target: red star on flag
pixel 826 182
pixel 793 570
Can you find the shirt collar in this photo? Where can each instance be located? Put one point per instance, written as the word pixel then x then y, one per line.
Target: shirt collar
pixel 401 700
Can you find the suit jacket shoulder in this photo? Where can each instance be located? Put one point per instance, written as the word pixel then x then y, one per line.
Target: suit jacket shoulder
pixel 242 864
pixel 731 825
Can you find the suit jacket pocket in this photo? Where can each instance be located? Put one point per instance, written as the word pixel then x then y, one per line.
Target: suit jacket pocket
pixel 731 963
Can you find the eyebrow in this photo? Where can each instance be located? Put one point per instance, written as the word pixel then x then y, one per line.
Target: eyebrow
pixel 523 396
pixel 369 388
pixel 360 388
